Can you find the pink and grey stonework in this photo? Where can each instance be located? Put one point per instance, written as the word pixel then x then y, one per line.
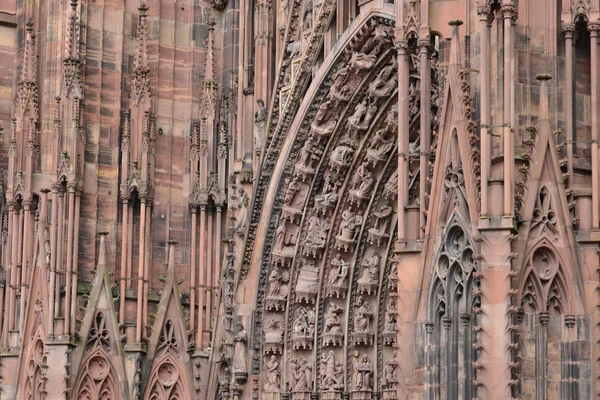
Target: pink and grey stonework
pixel 299 199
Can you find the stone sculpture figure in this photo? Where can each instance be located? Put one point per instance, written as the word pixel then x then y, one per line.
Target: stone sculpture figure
pixel 331 372
pixel 363 373
pixel 308 15
pixel 272 375
pixel 242 203
pixel 363 181
pixel 239 356
pixel 362 320
pixel 332 322
pixel 317 231
pixel 304 325
pixel 260 120
pixel 338 271
pixel 386 81
pixel 290 192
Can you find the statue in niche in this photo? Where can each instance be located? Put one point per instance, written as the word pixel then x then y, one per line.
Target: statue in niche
pixel 324 111
pixel 359 113
pixel 280 237
pixel 304 325
pixel 350 221
pixel 328 198
pixel 239 356
pixel 294 49
pixel 339 88
pixel 317 231
pixel 277 289
pixel 338 271
pixel 362 182
pixel 332 321
pixel 391 186
pixel 290 193
pixel 362 61
pixel 362 321
pixel 307 18
pixel 260 119
pixel 388 379
pixel 323 124
pixel 341 156
pixel 381 144
pixel 363 373
pixel 386 81
pixel 383 214
pixel 371 271
pixel 241 207
pixel 301 371
pixel 389 324
pixel 272 376
pixel 309 153
pixel 331 372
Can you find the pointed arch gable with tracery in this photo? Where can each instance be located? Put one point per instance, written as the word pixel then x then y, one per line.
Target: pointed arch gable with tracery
pixel 170 374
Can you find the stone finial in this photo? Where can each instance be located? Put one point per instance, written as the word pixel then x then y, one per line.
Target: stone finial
pixel 455 43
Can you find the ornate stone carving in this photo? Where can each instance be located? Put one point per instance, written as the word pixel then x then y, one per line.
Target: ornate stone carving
pixel 326 201
pixel 378 234
pixel 301 378
pixel 272 376
pixel 389 379
pixel 332 332
pixel 285 241
pixel 363 114
pixel 303 330
pixel 390 189
pixel 278 289
pixel 389 323
pixel 218 4
pixel 324 124
pixel 337 278
pixel 369 281
pixel 362 377
pixel 363 332
pixel 349 227
pixel 260 120
pixel 380 146
pixel 293 202
pixel 241 211
pixel 544 220
pixel 240 370
pixel 341 158
pixel 99 335
pixel 307 286
pixel 316 235
pixel 386 81
pixel 310 154
pixel 273 326
pixel 332 378
pixel 362 183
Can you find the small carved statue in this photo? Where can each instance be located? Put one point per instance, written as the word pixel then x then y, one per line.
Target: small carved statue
pixel 331 372
pixel 260 119
pixel 317 231
pixel 301 372
pixel 308 15
pixel 363 181
pixel 362 321
pixel 363 373
pixel 290 192
pixel 242 210
pixel 350 222
pixel 338 271
pixel 276 286
pixel 389 380
pixel 389 325
pixel 272 376
pixel 239 356
pixel 304 325
pixel 332 321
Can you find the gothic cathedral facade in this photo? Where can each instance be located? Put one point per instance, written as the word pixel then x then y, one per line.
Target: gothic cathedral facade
pixel 299 199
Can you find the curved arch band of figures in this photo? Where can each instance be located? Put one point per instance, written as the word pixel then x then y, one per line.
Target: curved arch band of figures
pixel 327 312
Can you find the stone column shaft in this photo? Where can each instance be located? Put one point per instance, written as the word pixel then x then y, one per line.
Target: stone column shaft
pixel 485 84
pixel 425 130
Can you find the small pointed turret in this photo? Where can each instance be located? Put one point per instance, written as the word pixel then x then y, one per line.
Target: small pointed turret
pixel 455 43
pixel 102 249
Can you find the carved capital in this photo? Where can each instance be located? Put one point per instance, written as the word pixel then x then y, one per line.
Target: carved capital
pixel 509 12
pixel 401 47
pixel 484 12
pixel 446 322
pixel 593 29
pixel 423 45
pixel 465 318
pixel 429 326
pixel 568 31
pixel 570 321
pixel 544 317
